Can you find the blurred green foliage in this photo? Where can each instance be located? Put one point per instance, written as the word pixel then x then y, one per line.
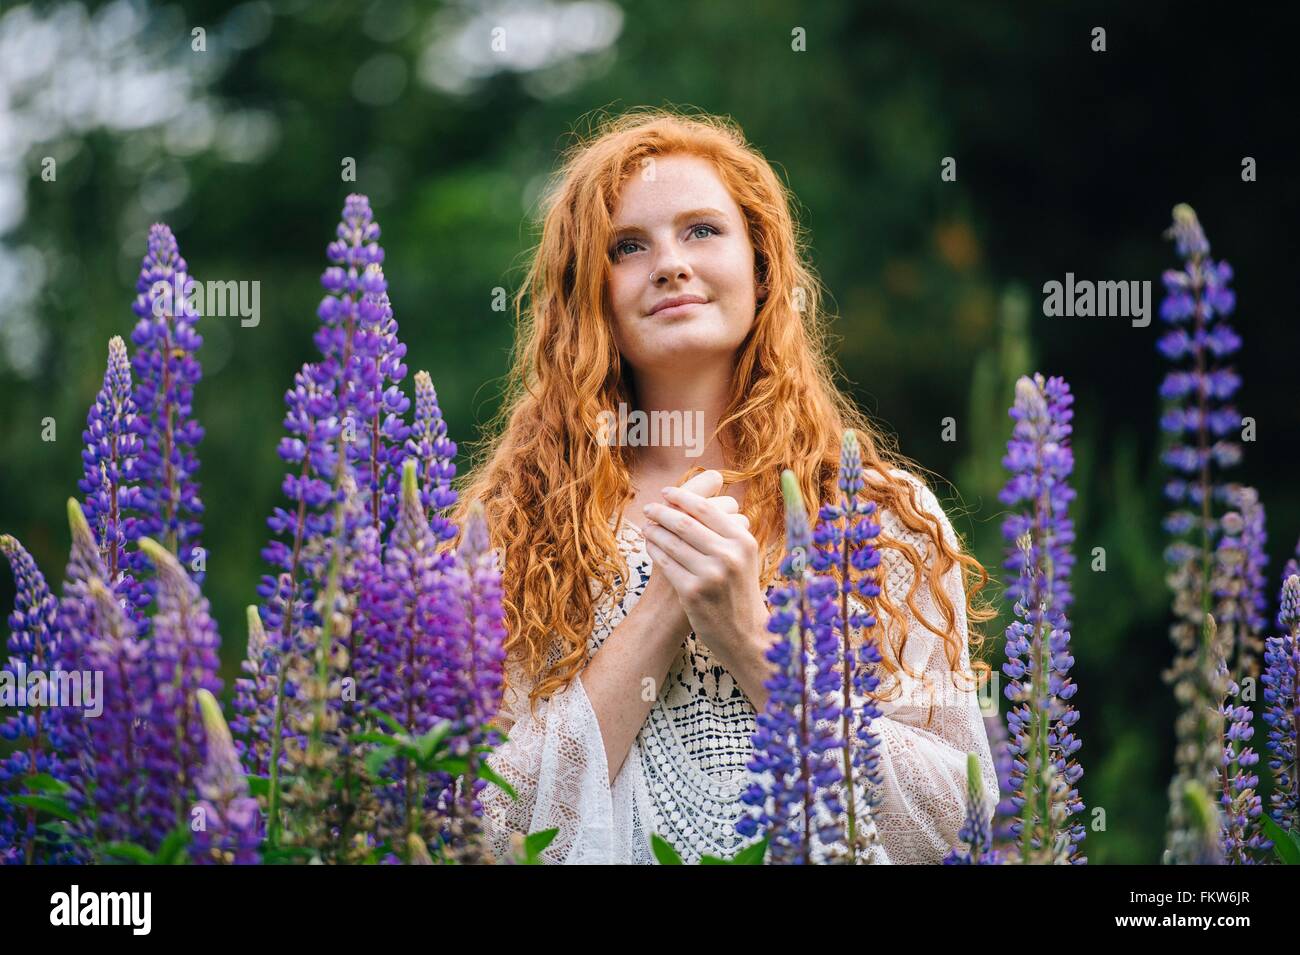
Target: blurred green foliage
pixel 1067 161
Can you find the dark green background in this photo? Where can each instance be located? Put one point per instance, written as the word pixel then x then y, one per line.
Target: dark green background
pixel 1068 161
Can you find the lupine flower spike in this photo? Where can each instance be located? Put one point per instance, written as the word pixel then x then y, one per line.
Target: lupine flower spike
pixel 795 745
pixel 166 371
pixel 1038 641
pixel 37 742
pixel 842 546
pixel 977 831
pixel 226 821
pixel 1282 709
pixel 1200 419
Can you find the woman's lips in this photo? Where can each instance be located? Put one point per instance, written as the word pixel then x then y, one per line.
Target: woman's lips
pixel 673 311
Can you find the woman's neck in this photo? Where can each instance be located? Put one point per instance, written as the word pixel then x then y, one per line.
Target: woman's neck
pixel 678 418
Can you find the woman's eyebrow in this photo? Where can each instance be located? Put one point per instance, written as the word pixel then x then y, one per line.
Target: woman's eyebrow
pixel 680 217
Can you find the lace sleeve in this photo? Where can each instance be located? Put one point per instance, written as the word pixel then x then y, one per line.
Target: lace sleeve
pixel 934 720
pixel 555 762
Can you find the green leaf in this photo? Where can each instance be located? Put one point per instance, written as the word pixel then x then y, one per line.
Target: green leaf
pixel 172 850
pixel 391 721
pixel 536 842
pixel 455 765
pixel 128 851
pixel 374 736
pixel 664 852
pixel 259 786
pixel 487 772
pixel 377 758
pixel 53 805
pixel 752 855
pixel 44 782
pixel 428 743
pixel 1285 844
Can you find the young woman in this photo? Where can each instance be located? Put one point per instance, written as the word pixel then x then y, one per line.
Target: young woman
pixel 671 278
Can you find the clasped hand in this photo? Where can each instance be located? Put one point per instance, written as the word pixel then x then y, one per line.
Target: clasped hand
pixel 704 547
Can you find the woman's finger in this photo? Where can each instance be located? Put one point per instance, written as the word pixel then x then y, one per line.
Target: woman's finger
pixel 667 540
pixel 704 513
pixel 685 527
pixel 675 572
pixel 725 503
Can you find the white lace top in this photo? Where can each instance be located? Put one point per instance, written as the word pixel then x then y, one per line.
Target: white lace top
pixel 683 777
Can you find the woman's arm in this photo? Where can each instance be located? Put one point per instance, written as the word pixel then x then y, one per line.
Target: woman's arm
pixel 623 678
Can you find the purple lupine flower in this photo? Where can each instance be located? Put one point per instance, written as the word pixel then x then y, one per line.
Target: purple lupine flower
pixel 795 743
pixel 1240 581
pixel 1282 708
pixel 34 731
pixel 842 541
pixel 1038 643
pixel 429 445
pixel 1200 419
pixel 469 685
pixel 118 734
pixel 112 448
pixel 359 352
pixel 377 403
pixel 313 421
pixel 405 618
pixel 1238 587
pixel 255 696
pixel 231 821
pixel 166 370
pixel 1243 840
pixel 1291 567
pixel 183 656
pixel 1004 814
pixel 977 829
pixel 359 331
pixel 1040 461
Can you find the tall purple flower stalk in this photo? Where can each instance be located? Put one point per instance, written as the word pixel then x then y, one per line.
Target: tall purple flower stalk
pixel 795 744
pixel 429 445
pixel 1239 581
pixel 977 829
pixel 112 449
pixel 1200 418
pixel 119 736
pixel 1040 721
pixel 231 821
pixel 1282 709
pixel 34 731
pixel 113 748
pixel 1238 587
pixel 376 401
pixel 335 434
pixel 842 542
pixel 183 655
pixel 468 687
pixel 166 370
pixel 402 610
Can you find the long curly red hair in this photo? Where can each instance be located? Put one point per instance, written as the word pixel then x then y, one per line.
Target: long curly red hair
pixel 548 484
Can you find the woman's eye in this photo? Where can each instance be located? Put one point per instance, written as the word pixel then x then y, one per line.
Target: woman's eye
pixel 626 243
pixel 702 225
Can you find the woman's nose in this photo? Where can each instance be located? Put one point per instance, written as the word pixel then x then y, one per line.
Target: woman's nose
pixel 670 264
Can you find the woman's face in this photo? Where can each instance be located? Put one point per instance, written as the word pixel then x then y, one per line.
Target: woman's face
pixel 678 232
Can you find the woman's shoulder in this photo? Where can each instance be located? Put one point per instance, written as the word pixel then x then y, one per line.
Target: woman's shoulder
pixel 923 499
